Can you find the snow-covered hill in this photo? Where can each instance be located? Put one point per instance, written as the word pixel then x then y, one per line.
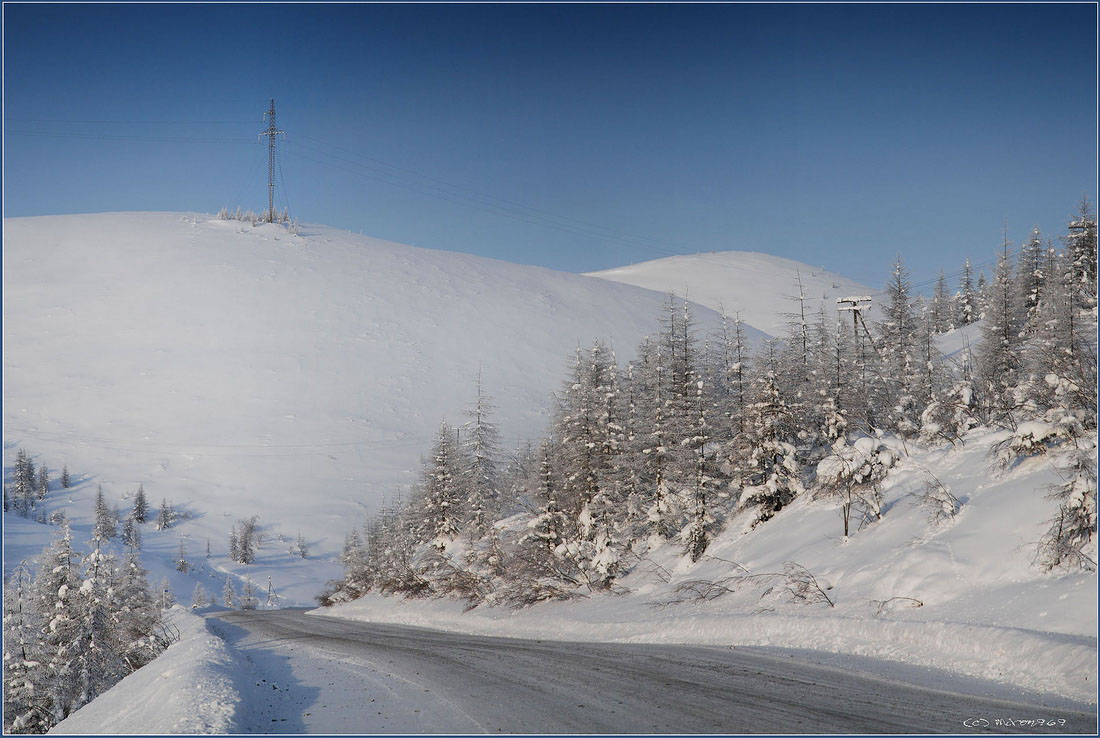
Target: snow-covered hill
pixel 758 286
pixel 239 370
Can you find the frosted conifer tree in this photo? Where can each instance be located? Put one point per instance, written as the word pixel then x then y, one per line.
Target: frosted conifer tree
pixel 165 516
pixel 66 480
pixel 1030 282
pixel 229 595
pixel 1081 255
pixel 97 648
pixel 56 588
pixel 23 495
pixel 771 469
pixel 480 477
pixel 42 483
pixel 141 505
pixel 966 300
pixel 131 532
pixel 26 701
pixel 998 354
pixel 198 597
pixel 138 614
pixel 899 362
pixel 182 564
pixel 943 308
pixel 248 595
pixel 439 513
pixel 105 526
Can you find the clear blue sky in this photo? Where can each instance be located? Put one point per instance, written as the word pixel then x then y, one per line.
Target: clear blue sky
pixel 840 135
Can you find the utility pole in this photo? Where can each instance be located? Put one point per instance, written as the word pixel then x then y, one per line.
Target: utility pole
pixel 271 133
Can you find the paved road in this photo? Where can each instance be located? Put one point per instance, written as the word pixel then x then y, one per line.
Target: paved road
pixel 326 675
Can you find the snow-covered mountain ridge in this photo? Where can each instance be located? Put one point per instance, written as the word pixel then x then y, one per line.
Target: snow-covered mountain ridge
pixel 759 287
pixel 241 370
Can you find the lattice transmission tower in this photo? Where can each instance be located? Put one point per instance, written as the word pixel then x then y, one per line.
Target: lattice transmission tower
pixel 271 133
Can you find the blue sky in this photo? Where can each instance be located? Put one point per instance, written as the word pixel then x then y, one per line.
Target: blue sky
pixel 577 137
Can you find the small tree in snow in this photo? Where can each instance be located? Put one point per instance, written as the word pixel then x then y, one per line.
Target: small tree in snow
pixel 141 505
pixel 165 516
pixel 181 559
pixel 248 596
pixel 852 473
pixel 1068 542
pixel 229 594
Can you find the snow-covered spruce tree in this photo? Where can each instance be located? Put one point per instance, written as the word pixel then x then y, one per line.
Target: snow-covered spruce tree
pixel 300 546
pixel 26 701
pixel 182 564
pixel 999 352
pixel 966 299
pixel 66 480
pixel 198 597
pixel 731 377
pixel 131 532
pixel 55 594
pixel 105 526
pixel 165 516
pixel 248 595
pixel 439 508
pixel 248 539
pixel 138 615
pixel 942 307
pixel 899 356
pixel 42 482
pixel 703 496
pixel 229 594
pixel 585 425
pixel 141 506
pixel 22 490
pixel 545 564
pixel 1081 255
pixel 480 477
pixel 1060 357
pixel 769 468
pixel 1030 282
pixel 930 370
pixel 97 649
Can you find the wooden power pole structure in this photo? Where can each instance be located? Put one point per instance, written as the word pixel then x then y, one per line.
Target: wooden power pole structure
pixel 271 133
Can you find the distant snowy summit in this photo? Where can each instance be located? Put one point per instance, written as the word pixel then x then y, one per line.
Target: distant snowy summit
pixel 759 287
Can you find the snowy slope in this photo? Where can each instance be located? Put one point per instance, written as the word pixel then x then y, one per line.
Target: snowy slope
pixel 193 687
pixel 239 370
pixel 985 610
pixel 758 286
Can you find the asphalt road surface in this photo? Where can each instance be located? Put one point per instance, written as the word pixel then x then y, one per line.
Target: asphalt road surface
pixel 326 675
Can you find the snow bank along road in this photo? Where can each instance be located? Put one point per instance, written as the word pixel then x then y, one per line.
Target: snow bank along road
pixel 326 675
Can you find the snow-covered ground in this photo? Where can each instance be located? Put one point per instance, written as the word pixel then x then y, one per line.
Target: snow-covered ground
pixel 238 370
pixel 985 611
pixel 759 287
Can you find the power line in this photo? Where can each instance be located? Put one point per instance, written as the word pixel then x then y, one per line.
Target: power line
pixel 109 137
pixel 134 122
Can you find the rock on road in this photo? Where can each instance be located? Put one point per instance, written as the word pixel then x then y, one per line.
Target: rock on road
pixel 318 674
